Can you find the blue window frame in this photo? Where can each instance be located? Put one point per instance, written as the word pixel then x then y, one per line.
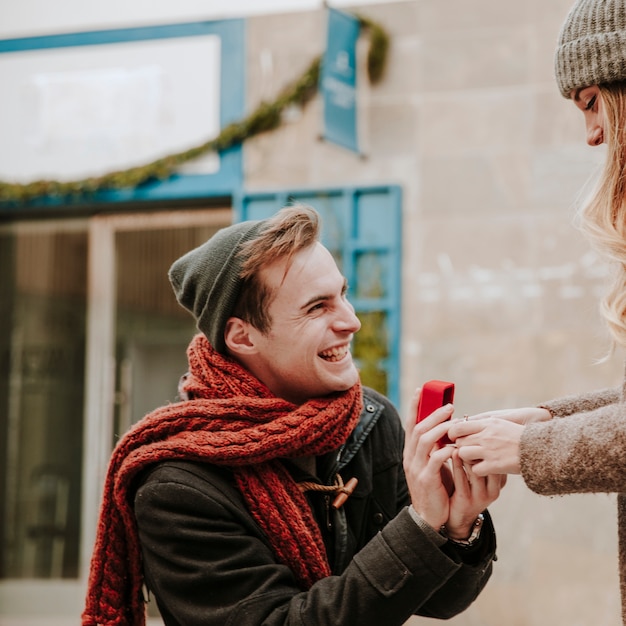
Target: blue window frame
pixel 362 229
pixel 232 107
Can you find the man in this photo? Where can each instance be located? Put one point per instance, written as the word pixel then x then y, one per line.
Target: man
pixel 274 492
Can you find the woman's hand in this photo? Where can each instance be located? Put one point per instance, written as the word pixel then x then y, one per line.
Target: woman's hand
pixel 523 416
pixel 490 445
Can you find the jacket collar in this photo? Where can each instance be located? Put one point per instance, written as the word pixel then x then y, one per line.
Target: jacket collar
pixel 372 410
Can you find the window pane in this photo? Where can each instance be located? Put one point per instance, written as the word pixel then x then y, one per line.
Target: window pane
pixel 370 349
pixel 152 329
pixel 42 343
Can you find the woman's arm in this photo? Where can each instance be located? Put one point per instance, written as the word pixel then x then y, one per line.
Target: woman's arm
pixel 582 451
pixel 581 403
pixel 585 452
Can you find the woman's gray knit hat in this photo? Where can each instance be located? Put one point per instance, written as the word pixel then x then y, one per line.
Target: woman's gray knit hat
pixel 206 280
pixel 591 48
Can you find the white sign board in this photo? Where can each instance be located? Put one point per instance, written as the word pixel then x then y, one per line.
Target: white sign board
pixel 73 112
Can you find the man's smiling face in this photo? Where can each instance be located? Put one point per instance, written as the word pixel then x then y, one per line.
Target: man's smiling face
pixel 306 352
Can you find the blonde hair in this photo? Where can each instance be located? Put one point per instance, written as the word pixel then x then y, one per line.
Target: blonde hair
pixel 603 218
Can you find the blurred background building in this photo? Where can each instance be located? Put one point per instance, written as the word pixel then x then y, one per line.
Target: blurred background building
pixel 452 221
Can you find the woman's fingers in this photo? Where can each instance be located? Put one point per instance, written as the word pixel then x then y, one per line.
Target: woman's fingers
pixel 465 428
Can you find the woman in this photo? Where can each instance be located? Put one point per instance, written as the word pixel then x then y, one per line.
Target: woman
pixel 586 452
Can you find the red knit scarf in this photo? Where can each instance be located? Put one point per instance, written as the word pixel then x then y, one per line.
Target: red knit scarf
pixel 233 420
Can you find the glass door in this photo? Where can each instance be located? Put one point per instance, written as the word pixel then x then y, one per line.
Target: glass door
pixel 43 312
pixel 137 332
pixel 91 339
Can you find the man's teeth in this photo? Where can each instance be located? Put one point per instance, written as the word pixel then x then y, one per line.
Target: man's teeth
pixel 335 354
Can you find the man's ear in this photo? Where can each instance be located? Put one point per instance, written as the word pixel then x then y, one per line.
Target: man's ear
pixel 238 337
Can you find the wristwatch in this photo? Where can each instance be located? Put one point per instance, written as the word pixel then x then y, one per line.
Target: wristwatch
pixel 474 535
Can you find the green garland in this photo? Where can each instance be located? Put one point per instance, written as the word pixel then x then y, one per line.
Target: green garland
pixel 267 116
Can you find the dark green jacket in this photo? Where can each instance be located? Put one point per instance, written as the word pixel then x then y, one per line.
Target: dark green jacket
pixel 208 563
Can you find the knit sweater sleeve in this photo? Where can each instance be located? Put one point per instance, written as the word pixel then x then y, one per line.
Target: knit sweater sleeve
pixel 568 405
pixel 584 452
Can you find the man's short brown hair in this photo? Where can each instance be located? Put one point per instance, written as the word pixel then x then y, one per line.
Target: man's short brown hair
pixel 292 229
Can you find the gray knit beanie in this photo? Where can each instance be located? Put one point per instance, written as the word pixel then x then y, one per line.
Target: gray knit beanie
pixel 206 279
pixel 591 48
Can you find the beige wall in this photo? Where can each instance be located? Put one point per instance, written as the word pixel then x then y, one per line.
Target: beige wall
pixel 500 291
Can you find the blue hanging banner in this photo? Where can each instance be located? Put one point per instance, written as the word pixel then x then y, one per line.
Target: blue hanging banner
pixel 338 81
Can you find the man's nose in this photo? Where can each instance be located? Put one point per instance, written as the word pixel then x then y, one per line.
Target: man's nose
pixel 347 318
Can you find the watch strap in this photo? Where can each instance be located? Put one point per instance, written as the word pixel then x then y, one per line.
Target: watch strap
pixel 473 537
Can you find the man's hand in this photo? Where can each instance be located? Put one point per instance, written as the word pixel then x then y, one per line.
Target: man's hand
pixel 472 495
pixel 443 490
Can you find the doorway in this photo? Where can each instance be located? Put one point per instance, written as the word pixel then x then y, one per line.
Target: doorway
pixel 91 338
